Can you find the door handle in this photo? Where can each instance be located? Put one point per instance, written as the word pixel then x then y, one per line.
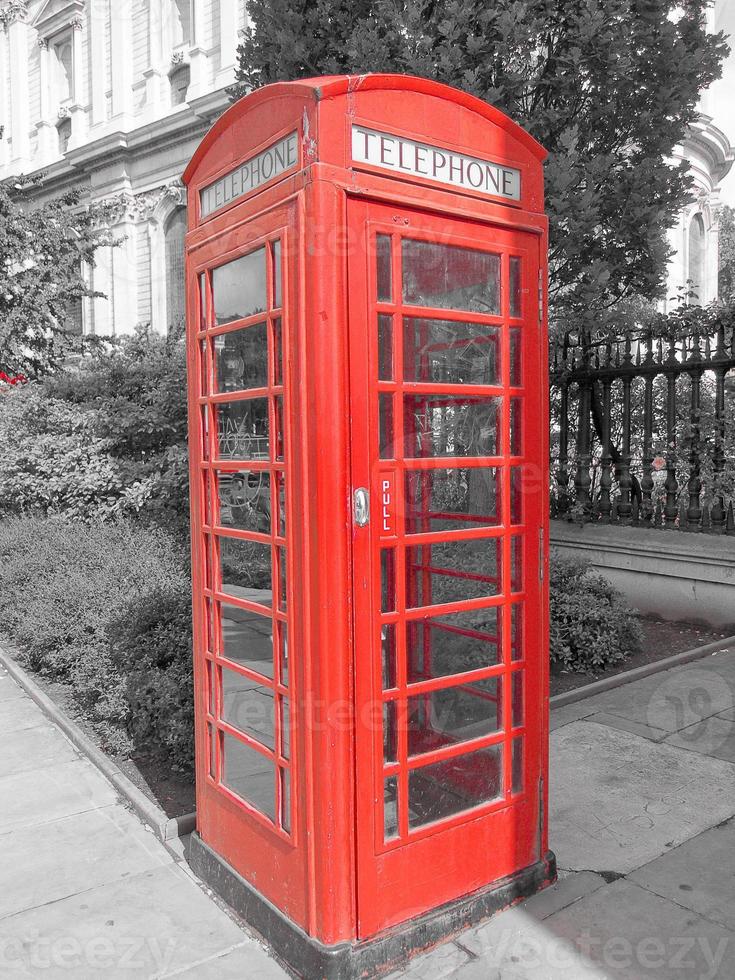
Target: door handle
pixel 361 507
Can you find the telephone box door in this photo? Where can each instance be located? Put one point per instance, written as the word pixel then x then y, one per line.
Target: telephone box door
pixel 447 402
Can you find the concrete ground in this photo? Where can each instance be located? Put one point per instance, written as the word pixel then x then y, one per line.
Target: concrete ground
pixel 643 800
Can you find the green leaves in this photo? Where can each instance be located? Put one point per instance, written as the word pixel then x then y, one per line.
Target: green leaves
pixel 42 251
pixel 608 88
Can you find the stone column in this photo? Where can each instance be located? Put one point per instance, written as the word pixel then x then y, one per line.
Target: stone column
pixel 45 126
pixel 155 59
pixel 122 69
pixel 14 16
pixel 198 58
pixel 78 116
pixel 228 41
pixel 4 100
pixel 96 47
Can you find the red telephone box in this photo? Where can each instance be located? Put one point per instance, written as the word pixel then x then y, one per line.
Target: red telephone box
pixel 366 267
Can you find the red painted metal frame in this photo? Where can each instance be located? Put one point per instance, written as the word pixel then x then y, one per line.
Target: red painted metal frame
pixel 332 874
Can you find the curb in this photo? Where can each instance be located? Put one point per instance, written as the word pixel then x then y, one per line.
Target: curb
pixel 637 673
pixel 165 828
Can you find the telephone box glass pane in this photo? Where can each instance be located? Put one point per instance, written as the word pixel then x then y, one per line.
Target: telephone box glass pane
pixel 387 448
pixel 250 775
pixel 247 638
pixel 384 268
pixel 516 631
pixel 438 646
pixel 516 495
pixel 390 732
pixel 390 807
pixel 443 789
pixel 450 278
pixel 242 429
pixel 245 501
pixel 283 650
pixel 239 288
pixel 450 499
pixel 248 706
pixel 385 348
pixel 388 647
pixel 449 352
pixel 277 277
pixel 285 728
pixel 246 570
pixel 516 416
pixel 454 714
pixel 516 564
pixel 451 425
pixel 517 766
pixel 285 800
pixel 242 358
pixel 515 358
pixel 517 698
pixel 515 286
pixel 453 570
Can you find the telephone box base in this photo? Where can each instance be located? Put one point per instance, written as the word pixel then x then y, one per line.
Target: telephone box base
pixel 309 958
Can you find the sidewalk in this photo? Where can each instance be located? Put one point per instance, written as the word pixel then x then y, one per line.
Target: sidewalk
pixel 86 891
pixel 643 796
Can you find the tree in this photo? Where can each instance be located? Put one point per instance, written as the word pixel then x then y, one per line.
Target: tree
pixel 726 277
pixel 42 252
pixel 608 88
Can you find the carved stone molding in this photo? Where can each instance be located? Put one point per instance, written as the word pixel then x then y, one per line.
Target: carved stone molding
pixel 64 112
pixel 177 58
pixel 12 11
pixel 42 42
pixel 77 24
pixel 142 207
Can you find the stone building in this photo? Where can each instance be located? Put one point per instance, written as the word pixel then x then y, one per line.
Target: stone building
pixel 709 149
pixel 113 96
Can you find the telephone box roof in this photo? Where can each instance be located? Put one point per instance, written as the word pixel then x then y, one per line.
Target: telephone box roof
pixel 328 87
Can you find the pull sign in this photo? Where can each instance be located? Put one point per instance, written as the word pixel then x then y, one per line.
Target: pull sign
pixel 540 296
pixel 387 523
pixel 361 507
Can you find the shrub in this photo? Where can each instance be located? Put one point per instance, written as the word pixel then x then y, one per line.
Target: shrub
pixel 62 583
pixel 102 439
pixel 152 648
pixel 591 625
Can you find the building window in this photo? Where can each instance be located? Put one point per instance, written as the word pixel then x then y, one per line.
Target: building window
pixel 181 26
pixel 174 232
pixel 62 73
pixel 179 79
pixel 696 260
pixel 63 131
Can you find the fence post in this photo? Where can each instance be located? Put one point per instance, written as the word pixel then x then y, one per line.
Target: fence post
pixel 647 479
pixel 717 514
pixel 671 509
pixel 694 486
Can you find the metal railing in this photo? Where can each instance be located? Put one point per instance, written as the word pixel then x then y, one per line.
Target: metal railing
pixel 628 430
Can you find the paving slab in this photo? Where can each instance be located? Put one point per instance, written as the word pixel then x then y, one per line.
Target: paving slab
pixel 434 965
pixel 17 714
pixel 567 890
pixel 248 960
pixel 632 934
pixel 153 924
pixel 34 748
pixel 626 725
pixel 73 854
pixel 728 715
pixel 30 799
pixel 713 736
pixel 619 801
pixel 569 713
pixel 699 874
pixel 9 690
pixel 515 945
pixel 676 698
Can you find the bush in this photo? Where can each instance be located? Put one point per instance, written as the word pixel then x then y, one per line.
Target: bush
pixel 152 648
pixel 591 625
pixel 100 440
pixel 65 587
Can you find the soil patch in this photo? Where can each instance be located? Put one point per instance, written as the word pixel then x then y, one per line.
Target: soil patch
pixel 660 640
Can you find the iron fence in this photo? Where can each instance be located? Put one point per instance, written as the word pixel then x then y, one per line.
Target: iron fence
pixel 629 433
